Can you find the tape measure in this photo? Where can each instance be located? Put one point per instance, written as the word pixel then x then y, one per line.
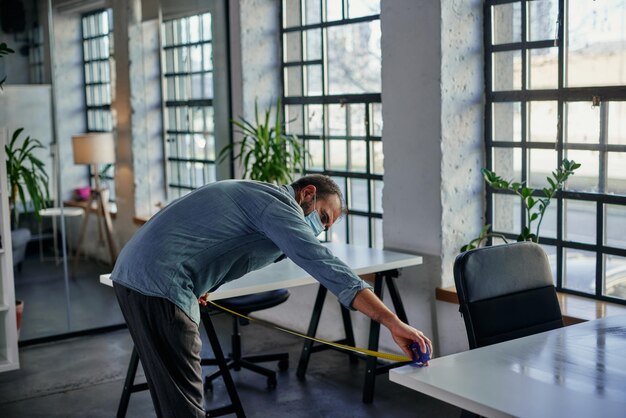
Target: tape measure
pixel 388 356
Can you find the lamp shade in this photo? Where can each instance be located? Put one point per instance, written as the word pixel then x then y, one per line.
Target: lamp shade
pixel 94 148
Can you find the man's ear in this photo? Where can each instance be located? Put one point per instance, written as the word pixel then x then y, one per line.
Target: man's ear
pixel 308 190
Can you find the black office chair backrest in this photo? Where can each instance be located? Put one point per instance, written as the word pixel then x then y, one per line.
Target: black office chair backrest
pixel 506 292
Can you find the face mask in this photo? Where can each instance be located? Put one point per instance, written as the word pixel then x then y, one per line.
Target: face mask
pixel 314 221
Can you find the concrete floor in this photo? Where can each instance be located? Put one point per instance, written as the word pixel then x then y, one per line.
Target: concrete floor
pixel 83 377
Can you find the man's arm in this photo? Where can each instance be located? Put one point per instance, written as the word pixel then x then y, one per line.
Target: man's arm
pixel 403 334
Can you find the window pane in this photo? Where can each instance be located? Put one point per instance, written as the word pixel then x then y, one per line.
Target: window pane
pixel 579 270
pixel 617 123
pixel 292 47
pixel 291 13
pixel 506 72
pixel 548 224
pixel 615 226
pixel 358 195
pixel 316 149
pixel 312 12
pixel 336 120
pixel 543 71
pixel 586 177
pixel 507 122
pixel 354 58
pixel 507 163
pixel 376 122
pixel 377 199
pixel 615 276
pixel 357 157
pixel 378 233
pixel 315 120
pixel 334 10
pixel 294 120
pixel 337 151
pixel 616 174
pixel 596 35
pixel 583 123
pixel 506 213
pixel 314 80
pixel 541 162
pixel 376 153
pixel 543 121
pixel 357 123
pixel 580 221
pixel 359 8
pixel 313 40
pixel 507 23
pixel 542 19
pixel 359 230
pixel 293 81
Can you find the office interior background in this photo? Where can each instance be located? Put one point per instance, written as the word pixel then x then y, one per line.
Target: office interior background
pixel 402 102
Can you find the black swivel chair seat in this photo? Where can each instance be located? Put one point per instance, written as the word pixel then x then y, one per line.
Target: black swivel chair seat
pixel 246 305
pixel 506 292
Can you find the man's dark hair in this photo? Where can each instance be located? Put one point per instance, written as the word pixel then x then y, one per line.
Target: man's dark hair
pixel 325 187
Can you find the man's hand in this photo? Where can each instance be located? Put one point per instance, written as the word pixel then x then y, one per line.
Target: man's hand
pixel 403 334
pixel 204 299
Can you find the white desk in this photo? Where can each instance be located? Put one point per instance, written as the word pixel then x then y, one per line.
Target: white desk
pixel 576 371
pixel 285 274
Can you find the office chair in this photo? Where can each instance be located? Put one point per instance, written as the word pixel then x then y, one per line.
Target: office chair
pixel 505 292
pixel 245 305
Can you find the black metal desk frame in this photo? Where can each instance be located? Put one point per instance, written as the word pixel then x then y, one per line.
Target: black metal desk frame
pixel 372 367
pixel 235 406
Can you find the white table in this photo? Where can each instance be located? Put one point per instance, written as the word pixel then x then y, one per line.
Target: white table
pixel 576 371
pixel 285 274
pixel 67 212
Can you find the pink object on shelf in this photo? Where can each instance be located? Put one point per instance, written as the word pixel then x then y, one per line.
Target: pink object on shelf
pixel 82 193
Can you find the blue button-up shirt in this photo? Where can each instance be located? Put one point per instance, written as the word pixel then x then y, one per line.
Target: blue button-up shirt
pixel 220 232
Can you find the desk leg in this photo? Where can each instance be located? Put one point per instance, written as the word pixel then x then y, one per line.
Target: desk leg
pixel 315 320
pixel 235 406
pixel 128 383
pixel 374 334
pixel 347 327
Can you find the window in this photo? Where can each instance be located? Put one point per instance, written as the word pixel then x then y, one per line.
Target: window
pixel 555 73
pixel 188 100
pixel 331 68
pixel 97 36
pixel 36 55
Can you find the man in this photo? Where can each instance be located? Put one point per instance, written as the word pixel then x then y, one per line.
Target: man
pixel 211 236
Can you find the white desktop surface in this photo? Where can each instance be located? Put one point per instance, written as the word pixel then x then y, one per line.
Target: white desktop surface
pixel 576 371
pixel 286 273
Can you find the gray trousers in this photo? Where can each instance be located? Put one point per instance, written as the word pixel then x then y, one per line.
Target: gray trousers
pixel 169 344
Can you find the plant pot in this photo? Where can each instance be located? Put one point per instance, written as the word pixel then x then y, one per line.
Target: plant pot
pixel 19 310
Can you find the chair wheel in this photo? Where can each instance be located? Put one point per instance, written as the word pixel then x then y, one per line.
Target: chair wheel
pixel 208 385
pixel 283 365
pixel 271 382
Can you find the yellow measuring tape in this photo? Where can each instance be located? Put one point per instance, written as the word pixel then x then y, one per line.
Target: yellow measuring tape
pixel 388 356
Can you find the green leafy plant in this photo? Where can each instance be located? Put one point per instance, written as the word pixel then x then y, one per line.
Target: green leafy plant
pixel 266 152
pixel 4 50
pixel 26 173
pixel 534 206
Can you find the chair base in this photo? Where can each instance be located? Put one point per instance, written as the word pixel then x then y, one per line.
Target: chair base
pixel 249 363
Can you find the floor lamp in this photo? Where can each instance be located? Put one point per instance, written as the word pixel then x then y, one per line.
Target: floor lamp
pixel 96 148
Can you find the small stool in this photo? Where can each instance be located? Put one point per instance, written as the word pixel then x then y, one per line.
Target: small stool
pixel 53 213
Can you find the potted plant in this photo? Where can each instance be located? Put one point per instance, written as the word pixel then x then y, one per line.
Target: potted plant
pixel 534 206
pixel 26 174
pixel 266 152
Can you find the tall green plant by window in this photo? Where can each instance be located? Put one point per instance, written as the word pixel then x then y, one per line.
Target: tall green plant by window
pixel 266 152
pixel 534 207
